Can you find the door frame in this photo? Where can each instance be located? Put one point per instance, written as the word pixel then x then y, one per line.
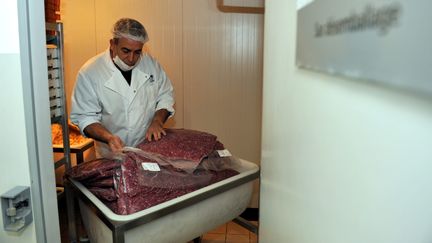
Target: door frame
pixel 31 22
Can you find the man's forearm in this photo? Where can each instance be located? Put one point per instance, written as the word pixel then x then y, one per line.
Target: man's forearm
pixel 161 116
pixel 98 132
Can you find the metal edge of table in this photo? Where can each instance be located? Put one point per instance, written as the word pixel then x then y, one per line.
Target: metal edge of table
pixel 120 227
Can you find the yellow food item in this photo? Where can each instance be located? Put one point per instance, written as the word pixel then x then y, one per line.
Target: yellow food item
pixel 75 136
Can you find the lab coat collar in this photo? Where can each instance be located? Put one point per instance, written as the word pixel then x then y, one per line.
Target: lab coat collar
pixel 139 77
pixel 116 84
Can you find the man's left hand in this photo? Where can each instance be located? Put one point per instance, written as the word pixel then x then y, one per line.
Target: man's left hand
pixel 155 131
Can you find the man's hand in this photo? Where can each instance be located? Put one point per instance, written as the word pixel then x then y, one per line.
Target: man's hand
pixel 100 133
pixel 156 129
pixel 115 143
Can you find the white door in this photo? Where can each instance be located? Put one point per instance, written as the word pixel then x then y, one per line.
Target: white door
pixel 25 144
pixel 343 160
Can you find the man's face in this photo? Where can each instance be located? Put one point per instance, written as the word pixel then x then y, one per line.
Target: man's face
pixel 127 50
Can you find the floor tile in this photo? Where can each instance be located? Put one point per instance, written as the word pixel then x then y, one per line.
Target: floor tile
pixel 235 229
pixel 253 238
pixel 213 238
pixel 219 230
pixel 237 238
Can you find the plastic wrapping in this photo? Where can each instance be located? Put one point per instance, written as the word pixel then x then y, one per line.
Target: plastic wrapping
pixel 183 148
pixel 94 170
pixel 166 175
pixel 136 179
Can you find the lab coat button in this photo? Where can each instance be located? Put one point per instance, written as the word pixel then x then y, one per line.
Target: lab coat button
pixel 134 91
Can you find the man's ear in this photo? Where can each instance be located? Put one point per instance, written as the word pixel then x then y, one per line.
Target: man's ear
pixel 112 44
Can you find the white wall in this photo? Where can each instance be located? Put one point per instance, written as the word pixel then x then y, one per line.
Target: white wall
pixel 14 161
pixel 342 160
pixel 26 138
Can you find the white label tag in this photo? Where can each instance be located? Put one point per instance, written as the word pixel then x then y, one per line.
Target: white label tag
pixel 150 166
pixel 224 153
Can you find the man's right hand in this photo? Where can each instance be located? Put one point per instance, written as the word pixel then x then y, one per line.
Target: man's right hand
pixel 100 133
pixel 115 143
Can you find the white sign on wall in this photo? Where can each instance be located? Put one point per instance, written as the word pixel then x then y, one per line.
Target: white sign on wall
pixel 382 40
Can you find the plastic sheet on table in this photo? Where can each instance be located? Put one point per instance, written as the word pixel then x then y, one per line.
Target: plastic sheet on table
pixel 95 169
pixel 141 171
pixel 183 148
pixel 139 188
pixel 136 179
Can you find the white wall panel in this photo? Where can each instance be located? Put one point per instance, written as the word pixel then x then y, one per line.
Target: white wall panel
pixel 344 161
pixel 22 162
pixel 15 166
pixel 223 75
pixel 79 39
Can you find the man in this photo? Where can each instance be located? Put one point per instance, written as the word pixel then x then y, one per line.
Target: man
pixel 122 96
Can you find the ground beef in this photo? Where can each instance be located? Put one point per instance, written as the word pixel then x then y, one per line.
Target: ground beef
pixel 106 194
pixel 125 187
pixel 98 168
pixel 182 144
pixel 100 181
pixel 159 187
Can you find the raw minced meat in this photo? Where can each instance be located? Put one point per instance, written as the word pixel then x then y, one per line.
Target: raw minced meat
pixel 126 188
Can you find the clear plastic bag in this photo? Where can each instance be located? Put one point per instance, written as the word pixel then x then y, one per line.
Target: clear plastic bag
pixel 139 188
pixel 182 148
pixel 135 179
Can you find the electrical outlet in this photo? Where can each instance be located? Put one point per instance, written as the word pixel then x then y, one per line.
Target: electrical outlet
pixel 16 208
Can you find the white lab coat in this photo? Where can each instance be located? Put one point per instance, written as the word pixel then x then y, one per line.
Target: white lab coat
pixel 101 94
